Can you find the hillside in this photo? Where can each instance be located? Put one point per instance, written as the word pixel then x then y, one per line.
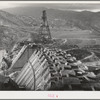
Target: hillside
pixel 79 28
pixel 14 28
pixel 11 20
pixel 82 20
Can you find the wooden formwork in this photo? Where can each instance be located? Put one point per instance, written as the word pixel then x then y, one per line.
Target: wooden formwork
pixel 35 73
pixel 21 58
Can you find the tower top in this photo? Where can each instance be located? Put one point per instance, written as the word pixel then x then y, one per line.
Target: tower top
pixel 44 17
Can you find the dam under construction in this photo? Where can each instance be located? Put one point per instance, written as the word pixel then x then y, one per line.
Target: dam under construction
pixel 39 65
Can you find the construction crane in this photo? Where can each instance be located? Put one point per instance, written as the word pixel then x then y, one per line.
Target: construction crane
pixel 44 31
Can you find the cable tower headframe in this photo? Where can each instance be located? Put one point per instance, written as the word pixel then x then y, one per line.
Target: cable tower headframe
pixel 44 31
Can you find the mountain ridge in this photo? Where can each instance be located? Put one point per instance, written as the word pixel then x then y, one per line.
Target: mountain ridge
pixel 83 19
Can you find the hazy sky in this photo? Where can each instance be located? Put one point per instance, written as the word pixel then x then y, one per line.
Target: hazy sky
pixel 63 6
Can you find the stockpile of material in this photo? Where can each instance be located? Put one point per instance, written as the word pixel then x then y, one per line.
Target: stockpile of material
pixel 69 73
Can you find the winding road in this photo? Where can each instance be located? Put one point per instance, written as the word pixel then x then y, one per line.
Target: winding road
pixel 92 54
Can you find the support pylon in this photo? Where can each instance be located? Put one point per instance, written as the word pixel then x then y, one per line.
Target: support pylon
pixel 44 31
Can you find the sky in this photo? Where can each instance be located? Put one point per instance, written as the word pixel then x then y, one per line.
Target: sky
pixel 62 6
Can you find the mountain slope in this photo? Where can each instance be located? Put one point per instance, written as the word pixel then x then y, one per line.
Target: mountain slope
pixel 11 20
pixel 71 24
pixel 14 28
pixel 82 20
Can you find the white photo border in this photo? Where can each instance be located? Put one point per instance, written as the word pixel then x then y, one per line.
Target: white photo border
pixel 50 94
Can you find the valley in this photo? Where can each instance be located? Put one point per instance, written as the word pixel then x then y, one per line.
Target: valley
pixel 72 30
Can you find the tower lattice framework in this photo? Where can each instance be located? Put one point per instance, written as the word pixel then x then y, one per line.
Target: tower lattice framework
pixel 44 31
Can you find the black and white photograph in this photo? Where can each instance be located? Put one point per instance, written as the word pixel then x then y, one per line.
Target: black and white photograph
pixel 49 46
